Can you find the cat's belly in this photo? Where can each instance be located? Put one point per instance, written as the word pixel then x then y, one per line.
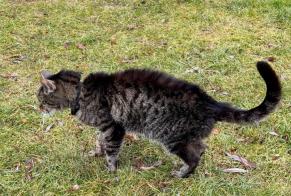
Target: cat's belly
pixel 130 119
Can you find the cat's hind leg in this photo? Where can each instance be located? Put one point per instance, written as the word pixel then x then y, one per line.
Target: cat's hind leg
pixel 190 153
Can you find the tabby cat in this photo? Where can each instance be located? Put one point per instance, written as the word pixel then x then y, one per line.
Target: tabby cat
pixel 176 113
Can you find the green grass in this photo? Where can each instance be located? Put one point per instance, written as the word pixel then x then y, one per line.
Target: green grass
pixel 221 39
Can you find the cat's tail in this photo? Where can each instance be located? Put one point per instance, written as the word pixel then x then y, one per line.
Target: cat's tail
pixel 228 113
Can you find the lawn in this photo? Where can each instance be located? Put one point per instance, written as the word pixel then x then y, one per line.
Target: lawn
pixel 213 43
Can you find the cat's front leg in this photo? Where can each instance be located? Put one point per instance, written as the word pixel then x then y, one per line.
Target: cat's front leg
pixel 99 148
pixel 112 135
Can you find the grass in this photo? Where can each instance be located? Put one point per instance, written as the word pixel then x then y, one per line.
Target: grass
pixel 220 41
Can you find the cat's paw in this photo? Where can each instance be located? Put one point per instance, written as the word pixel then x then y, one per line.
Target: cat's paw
pixel 179 174
pixel 111 168
pixel 111 163
pixel 96 153
pixel 184 172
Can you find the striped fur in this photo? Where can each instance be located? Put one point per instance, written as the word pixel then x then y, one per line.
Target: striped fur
pixel 173 112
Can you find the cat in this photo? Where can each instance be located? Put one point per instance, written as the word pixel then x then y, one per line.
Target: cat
pixel 173 112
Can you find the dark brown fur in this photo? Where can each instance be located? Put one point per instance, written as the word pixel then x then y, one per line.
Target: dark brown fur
pixel 176 113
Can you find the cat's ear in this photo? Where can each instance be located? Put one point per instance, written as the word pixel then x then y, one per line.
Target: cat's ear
pixel 49 85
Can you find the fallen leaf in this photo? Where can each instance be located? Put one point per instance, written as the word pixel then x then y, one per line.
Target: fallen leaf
pixel 131 27
pixel 117 179
pixel 270 45
pixel 235 170
pixel 164 20
pixel 29 164
pixel 233 149
pixel 61 123
pixel 271 59
pixel 81 46
pixel 285 137
pixel 146 168
pixel 48 128
pixel 139 164
pixel 18 58
pixel 241 139
pixel 113 40
pixel 273 133
pixel 215 131
pixel 28 176
pixel 17 168
pixel 74 188
pixel 46 56
pixel 130 59
pixel 38 136
pixel 194 70
pixel 12 76
pixel 164 42
pixel 242 160
pixel 225 93
pixel 207 174
pixel 275 157
pixel 162 184
pixel 67 44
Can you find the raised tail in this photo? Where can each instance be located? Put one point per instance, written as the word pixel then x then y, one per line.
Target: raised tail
pixel 230 114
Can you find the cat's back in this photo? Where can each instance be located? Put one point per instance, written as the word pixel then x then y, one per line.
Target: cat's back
pixel 147 82
pixel 140 90
pixel 154 79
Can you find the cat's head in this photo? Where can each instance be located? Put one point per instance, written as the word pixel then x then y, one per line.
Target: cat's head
pixel 57 91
